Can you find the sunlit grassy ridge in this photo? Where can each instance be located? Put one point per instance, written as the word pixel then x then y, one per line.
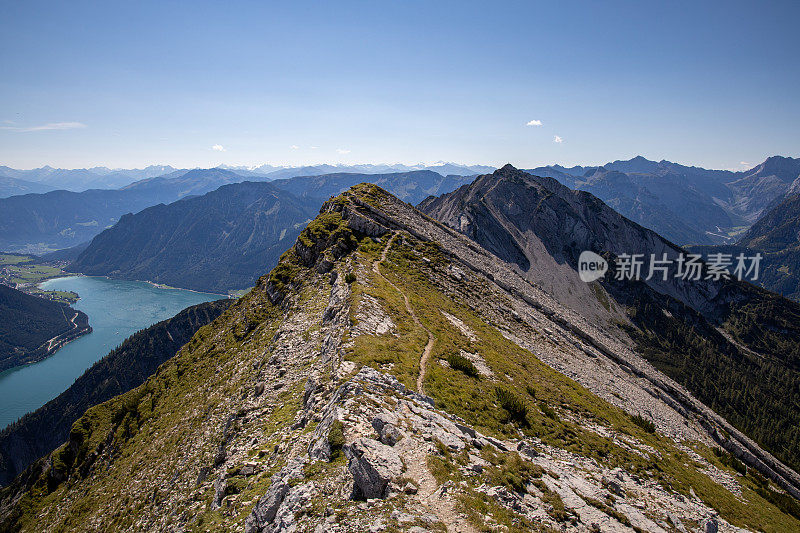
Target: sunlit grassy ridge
pixel 545 392
pixel 149 425
pixel 155 438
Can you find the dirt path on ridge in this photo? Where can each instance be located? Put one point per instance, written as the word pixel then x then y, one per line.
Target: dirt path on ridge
pixel 426 353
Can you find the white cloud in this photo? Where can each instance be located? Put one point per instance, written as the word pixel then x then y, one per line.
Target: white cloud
pixel 557 139
pixel 313 147
pixel 295 147
pixel 534 123
pixel 744 163
pixel 218 148
pixel 342 151
pixel 47 127
pixel 58 126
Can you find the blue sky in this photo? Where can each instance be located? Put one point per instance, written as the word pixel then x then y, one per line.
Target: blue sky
pixel 129 84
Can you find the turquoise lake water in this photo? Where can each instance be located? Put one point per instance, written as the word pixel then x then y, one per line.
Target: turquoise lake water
pixel 116 309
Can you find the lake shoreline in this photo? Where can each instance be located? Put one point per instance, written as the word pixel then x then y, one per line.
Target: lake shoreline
pixel 116 310
pixel 153 283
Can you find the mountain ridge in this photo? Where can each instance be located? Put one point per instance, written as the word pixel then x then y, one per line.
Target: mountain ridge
pixel 688 204
pixel 225 239
pixel 303 396
pixel 14 186
pixel 61 219
pixel 217 242
pixel 82 179
pixel 540 227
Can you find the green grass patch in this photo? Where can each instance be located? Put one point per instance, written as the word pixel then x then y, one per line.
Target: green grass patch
pixel 13 259
pixel 336 438
pixel 513 404
pixel 510 471
pixel 517 370
pixel 462 364
pixel 644 423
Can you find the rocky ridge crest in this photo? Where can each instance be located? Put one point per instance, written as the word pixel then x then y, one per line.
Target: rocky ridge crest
pixel 278 417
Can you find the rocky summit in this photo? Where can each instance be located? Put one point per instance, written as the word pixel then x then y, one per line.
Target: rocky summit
pixel 391 374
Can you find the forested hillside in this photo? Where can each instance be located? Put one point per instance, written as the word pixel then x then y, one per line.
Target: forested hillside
pixel 28 324
pixel 217 242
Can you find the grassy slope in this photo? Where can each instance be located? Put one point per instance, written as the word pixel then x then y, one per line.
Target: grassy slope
pixel 160 424
pixel 474 399
pixel 149 425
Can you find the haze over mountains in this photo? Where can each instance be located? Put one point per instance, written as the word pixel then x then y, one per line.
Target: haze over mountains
pixel 61 219
pixel 688 205
pixel 217 242
pixel 13 186
pixel 273 172
pixel 411 187
pixel 14 181
pixel 77 180
pixel 227 238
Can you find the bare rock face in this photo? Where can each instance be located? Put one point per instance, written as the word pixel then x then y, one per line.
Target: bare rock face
pixel 266 508
pixel 298 500
pixel 355 220
pixel 542 226
pixel 373 465
pixel 388 432
pixel 265 511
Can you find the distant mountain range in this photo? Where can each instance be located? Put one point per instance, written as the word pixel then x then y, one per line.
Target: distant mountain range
pixel 688 205
pixel 15 186
pixel 40 180
pixel 227 238
pixel 272 172
pixel 223 240
pixel 411 187
pixel 39 223
pixel 82 179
